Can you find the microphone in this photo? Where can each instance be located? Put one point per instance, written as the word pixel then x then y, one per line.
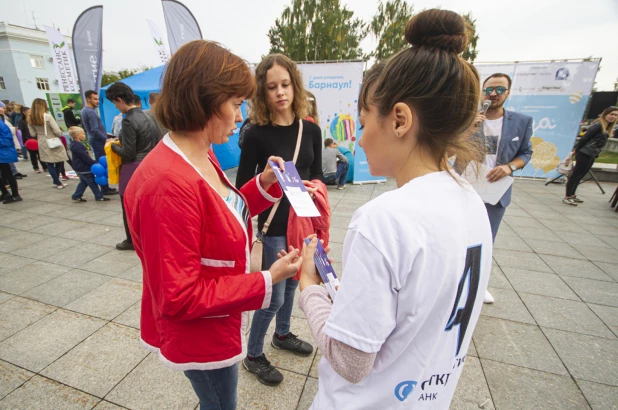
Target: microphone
pixel 486 106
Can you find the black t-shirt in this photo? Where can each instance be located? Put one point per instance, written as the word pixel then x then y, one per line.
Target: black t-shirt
pixel 261 142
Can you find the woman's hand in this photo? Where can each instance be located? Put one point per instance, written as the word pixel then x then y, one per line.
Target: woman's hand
pixel 310 188
pixel 286 266
pixel 268 176
pixel 309 275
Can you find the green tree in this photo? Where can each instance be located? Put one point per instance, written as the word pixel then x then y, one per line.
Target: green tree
pixel 471 52
pixel 128 72
pixel 312 30
pixel 388 27
pixel 107 79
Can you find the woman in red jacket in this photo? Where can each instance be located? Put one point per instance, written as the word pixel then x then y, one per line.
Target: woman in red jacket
pixel 191 227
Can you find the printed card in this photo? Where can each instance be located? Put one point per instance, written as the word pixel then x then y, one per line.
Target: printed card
pixel 293 187
pixel 325 269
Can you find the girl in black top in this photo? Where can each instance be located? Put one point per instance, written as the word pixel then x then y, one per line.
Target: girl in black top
pixel 588 149
pixel 279 104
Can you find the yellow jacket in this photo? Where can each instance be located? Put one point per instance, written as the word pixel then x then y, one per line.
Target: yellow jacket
pixel 113 163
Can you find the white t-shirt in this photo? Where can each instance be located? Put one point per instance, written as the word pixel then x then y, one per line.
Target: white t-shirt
pixel 405 256
pixel 493 133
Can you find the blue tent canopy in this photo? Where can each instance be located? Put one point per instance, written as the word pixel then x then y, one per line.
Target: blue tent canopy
pixel 149 81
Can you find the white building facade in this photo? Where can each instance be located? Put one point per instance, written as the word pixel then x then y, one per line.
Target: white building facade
pixel 26 66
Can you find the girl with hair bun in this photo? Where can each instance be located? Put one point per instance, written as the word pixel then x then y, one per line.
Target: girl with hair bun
pixel 416 260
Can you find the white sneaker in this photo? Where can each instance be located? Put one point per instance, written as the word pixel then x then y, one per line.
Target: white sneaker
pixel 488 298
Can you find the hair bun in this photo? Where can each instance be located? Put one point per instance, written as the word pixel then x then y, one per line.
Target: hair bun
pixel 442 29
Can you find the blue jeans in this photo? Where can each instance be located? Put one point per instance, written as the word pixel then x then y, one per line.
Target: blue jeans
pixel 281 303
pixel 98 148
pixel 54 169
pixel 216 389
pixel 24 152
pixel 495 214
pixel 340 176
pixel 86 179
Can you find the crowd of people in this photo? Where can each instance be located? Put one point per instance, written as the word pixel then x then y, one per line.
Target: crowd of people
pixel 416 260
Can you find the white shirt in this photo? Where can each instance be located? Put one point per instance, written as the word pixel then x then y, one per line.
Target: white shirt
pixel 493 134
pixel 403 261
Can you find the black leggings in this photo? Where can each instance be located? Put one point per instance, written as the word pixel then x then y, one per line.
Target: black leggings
pixel 7 176
pixel 583 164
pixel 124 220
pixel 34 157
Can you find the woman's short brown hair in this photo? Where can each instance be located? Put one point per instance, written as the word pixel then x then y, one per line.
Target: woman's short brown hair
pixel 199 78
pixel 261 112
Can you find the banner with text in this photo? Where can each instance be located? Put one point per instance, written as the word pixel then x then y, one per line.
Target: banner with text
pixel 67 77
pixel 181 25
pixel 57 101
pixel 88 48
pixel 555 95
pixel 159 44
pixel 336 87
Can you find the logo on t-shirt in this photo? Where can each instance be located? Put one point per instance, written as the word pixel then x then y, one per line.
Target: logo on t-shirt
pixel 403 389
pixel 460 316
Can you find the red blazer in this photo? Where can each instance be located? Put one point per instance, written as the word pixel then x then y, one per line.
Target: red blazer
pixel 299 228
pixel 194 249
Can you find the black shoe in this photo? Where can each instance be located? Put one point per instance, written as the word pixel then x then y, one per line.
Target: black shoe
pixel 12 199
pixel 4 196
pixel 18 176
pixel 263 370
pixel 79 200
pixel 110 192
pixel 125 246
pixel 293 344
pixel 103 199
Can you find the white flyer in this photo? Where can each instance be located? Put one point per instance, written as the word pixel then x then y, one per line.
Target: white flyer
pixel 490 192
pixel 293 187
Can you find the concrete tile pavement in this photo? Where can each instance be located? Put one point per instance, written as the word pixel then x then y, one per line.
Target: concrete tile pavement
pixel 69 309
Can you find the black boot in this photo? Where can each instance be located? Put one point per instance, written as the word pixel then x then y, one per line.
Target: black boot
pixel 125 246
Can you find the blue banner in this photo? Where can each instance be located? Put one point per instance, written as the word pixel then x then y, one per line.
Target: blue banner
pixel 556 123
pixel 361 166
pixel 555 95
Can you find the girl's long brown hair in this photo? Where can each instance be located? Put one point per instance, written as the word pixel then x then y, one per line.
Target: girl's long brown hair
pixel 261 112
pixel 607 126
pixel 37 112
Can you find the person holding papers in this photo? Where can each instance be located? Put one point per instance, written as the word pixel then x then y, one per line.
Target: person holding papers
pixel 416 260
pixel 506 138
pixel 192 228
pixel 277 112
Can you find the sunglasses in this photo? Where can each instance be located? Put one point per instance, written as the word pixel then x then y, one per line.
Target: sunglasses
pixel 499 90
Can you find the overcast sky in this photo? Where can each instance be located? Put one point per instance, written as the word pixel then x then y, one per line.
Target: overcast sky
pixel 509 30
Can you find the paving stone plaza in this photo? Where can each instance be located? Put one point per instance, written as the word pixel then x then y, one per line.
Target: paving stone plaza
pixel 70 306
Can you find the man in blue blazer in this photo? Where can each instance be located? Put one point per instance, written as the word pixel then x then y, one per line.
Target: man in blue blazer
pixel 507 144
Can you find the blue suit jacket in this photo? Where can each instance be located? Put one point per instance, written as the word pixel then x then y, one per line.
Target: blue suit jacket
pixel 514 143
